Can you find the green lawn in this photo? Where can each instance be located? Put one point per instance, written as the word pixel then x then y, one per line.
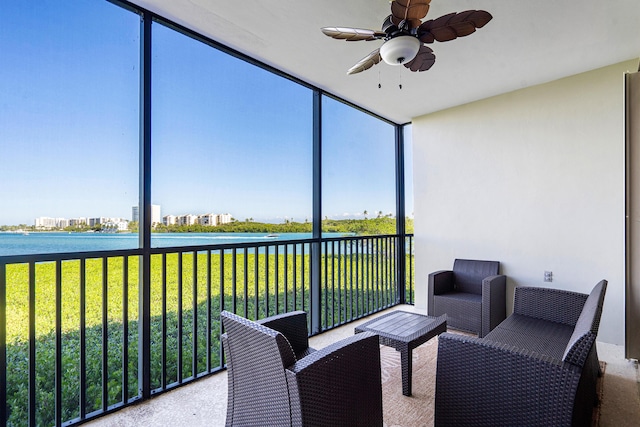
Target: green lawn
pixel 262 284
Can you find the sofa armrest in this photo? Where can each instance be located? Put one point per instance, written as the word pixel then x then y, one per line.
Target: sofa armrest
pixel 555 305
pixel 293 326
pixel 480 382
pixel 339 384
pixel 494 302
pixel 440 282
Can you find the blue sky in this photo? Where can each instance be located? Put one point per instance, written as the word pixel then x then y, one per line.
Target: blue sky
pixel 227 136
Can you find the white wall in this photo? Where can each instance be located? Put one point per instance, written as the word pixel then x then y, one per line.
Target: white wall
pixel 533 179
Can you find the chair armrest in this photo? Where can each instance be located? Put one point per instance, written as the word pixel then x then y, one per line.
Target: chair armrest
pixel 293 326
pixel 480 382
pixel 555 305
pixel 440 282
pixel 340 384
pixel 494 302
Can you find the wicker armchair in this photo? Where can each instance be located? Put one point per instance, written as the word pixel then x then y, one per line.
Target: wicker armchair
pixel 276 379
pixel 472 295
pixel 537 368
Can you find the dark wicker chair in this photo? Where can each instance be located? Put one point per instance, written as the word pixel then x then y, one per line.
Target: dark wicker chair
pixel 276 379
pixel 472 295
pixel 537 368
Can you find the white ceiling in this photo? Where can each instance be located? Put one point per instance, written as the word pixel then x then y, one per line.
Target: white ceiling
pixel 527 43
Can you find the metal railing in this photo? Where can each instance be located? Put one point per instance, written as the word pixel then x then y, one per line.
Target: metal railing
pixel 69 332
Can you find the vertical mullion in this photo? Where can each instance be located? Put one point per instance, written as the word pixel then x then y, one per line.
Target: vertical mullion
pixel 32 343
pixel 105 334
pixel 315 269
pixel 400 214
pixel 58 369
pixel 125 329
pixel 144 203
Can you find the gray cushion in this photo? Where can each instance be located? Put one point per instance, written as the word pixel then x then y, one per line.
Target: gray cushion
pixel 586 327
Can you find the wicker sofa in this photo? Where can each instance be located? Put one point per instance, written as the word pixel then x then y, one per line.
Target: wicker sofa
pixel 276 379
pixel 537 368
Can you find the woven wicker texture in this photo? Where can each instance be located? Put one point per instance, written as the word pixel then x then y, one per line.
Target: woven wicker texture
pixel 472 295
pixel 529 371
pixel 268 386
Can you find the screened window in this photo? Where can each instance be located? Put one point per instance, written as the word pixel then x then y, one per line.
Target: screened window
pixel 68 124
pixel 231 142
pixel 358 171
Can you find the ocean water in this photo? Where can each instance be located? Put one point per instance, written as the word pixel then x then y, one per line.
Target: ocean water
pixel 42 243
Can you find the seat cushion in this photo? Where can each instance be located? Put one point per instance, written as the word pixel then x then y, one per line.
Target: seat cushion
pixel 541 336
pixel 463 310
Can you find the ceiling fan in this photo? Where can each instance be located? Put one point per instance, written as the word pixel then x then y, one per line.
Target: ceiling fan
pixel 405 34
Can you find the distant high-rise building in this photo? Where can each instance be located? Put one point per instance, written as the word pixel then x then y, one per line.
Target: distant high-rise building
pixel 170 220
pixel 224 218
pixel 156 217
pixel 208 219
pixel 187 219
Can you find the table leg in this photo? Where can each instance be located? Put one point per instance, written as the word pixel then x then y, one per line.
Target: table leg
pixel 406 363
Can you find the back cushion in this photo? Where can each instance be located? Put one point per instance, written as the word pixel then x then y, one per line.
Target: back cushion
pixel 468 274
pixel 587 326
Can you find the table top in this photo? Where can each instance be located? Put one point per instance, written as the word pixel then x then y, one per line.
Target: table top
pixel 404 326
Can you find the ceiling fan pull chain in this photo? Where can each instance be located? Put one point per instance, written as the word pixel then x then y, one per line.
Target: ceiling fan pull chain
pixel 400 78
pixel 379 85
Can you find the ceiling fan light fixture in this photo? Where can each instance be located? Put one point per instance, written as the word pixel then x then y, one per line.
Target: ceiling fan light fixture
pixel 400 50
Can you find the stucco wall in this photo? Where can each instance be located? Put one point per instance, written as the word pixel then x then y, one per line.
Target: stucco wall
pixel 533 179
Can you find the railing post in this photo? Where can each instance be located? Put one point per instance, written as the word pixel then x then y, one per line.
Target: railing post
pixel 144 224
pixel 316 250
pixel 400 216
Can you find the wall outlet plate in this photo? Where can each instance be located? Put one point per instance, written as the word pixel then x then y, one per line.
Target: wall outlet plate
pixel 548 276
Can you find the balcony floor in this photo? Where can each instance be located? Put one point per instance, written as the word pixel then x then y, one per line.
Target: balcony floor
pixel 203 402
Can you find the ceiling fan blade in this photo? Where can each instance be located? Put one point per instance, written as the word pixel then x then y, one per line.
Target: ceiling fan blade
pixel 367 62
pixel 352 34
pixel 410 11
pixel 453 25
pixel 423 60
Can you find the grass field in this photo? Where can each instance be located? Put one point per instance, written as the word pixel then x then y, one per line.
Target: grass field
pixel 98 306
